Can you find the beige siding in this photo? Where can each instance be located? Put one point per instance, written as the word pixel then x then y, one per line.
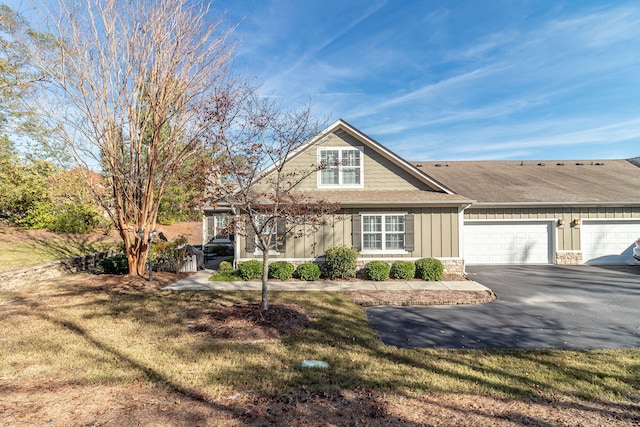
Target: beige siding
pixel 379 172
pixel 436 235
pixel 568 237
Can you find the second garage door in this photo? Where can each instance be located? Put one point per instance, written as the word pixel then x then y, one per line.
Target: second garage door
pixel 507 242
pixel 609 242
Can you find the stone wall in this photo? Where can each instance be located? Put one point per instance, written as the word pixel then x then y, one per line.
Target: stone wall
pixel 569 257
pixel 41 272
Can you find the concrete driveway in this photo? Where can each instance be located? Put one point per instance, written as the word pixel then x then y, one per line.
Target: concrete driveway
pixel 550 306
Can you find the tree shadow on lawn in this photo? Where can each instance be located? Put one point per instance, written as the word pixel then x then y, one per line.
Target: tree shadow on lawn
pixel 63 246
pixel 338 332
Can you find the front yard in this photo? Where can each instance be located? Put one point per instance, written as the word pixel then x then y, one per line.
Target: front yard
pixel 109 350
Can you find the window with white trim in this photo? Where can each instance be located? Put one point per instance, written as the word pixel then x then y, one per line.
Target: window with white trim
pixel 342 167
pixel 383 232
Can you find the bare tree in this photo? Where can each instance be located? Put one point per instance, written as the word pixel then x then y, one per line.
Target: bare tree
pixel 125 90
pixel 255 140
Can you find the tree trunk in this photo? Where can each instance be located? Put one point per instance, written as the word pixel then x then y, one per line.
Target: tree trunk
pixel 265 280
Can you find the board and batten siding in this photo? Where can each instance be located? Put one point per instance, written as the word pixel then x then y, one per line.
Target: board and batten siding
pixel 436 234
pixel 568 237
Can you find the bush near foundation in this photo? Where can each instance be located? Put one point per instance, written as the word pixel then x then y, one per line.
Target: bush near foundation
pixel 281 270
pixel 249 270
pixel 341 262
pixel 429 269
pixel 308 271
pixel 403 270
pixel 377 270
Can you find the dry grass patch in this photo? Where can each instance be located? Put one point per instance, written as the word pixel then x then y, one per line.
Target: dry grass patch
pixel 107 350
pixel 23 248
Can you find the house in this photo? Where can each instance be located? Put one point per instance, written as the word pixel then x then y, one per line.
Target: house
pixel 459 212
pixel 546 212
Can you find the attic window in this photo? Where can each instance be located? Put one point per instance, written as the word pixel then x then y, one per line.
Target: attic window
pixel 541 164
pixel 559 164
pixel 341 167
pixel 579 164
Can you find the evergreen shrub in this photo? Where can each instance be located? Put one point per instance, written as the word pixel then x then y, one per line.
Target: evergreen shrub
pixel 377 270
pixel 281 270
pixel 429 269
pixel 403 270
pixel 307 271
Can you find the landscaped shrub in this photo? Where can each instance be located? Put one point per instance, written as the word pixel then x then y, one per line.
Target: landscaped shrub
pixel 377 270
pixel 403 270
pixel 429 269
pixel 250 270
pixel 169 256
pixel 225 267
pixel 307 271
pixel 116 264
pixel 281 270
pixel 341 262
pixel 75 219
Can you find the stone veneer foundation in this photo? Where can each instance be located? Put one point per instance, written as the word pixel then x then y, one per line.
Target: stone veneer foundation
pixel 569 257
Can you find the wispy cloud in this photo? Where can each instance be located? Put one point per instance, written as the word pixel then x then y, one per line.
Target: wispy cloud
pixel 426 75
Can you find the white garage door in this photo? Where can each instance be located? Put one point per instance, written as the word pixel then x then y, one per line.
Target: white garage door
pixel 608 242
pixel 507 242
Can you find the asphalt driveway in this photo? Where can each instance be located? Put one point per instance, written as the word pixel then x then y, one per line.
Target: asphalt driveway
pixel 550 306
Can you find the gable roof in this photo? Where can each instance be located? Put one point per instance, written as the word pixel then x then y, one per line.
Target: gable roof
pixel 380 149
pixel 541 182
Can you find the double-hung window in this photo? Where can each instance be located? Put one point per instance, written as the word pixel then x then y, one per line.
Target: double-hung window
pixel 383 232
pixel 341 167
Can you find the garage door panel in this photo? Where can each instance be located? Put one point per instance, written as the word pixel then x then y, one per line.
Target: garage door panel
pixel 609 242
pixel 507 243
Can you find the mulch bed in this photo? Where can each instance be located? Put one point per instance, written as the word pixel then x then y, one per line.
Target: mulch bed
pixel 248 323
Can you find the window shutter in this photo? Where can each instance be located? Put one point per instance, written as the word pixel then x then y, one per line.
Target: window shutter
pixel 250 238
pixel 281 239
pixel 356 229
pixel 409 244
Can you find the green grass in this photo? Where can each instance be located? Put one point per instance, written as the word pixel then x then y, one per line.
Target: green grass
pixel 31 249
pixel 220 276
pixel 69 335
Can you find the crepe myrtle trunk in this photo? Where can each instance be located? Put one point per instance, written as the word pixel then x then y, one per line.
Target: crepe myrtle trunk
pixel 265 280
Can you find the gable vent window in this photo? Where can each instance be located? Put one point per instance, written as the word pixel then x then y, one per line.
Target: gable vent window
pixel 342 167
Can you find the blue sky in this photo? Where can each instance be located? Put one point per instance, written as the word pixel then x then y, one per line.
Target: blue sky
pixel 455 80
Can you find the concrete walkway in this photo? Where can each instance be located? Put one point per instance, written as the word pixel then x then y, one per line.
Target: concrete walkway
pixel 200 282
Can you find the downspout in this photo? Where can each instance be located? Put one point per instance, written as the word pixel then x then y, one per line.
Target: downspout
pixel 461 237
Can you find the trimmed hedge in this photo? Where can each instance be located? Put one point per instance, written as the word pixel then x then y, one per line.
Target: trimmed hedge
pixel 281 270
pixel 429 269
pixel 308 271
pixel 341 262
pixel 403 270
pixel 377 270
pixel 249 270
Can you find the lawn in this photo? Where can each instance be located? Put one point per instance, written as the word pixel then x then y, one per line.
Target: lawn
pixel 22 248
pixel 117 353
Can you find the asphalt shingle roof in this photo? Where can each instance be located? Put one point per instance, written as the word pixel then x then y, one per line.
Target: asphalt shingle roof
pixel 548 181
